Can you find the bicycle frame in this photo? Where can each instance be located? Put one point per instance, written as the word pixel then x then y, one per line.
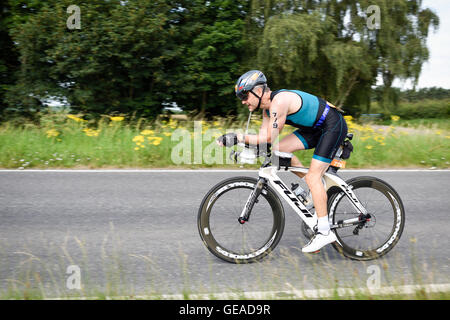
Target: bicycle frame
pixel 310 218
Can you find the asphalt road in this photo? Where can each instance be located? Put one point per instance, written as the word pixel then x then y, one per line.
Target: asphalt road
pixel 136 233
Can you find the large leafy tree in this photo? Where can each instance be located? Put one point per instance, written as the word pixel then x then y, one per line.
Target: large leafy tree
pixel 114 63
pixel 210 41
pixel 12 14
pixel 133 56
pixel 9 61
pixel 326 46
pixel 400 44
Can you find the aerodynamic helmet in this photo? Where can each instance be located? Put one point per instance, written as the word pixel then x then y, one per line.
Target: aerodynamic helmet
pixel 247 82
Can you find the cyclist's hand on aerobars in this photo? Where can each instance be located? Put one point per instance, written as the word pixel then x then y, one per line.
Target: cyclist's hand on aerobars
pixel 227 140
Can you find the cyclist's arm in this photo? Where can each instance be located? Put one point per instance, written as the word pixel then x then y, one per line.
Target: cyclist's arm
pixel 270 127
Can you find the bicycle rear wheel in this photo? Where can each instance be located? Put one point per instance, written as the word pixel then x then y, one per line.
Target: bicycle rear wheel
pixel 221 231
pixel 375 237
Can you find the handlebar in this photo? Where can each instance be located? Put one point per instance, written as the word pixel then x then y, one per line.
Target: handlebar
pixel 250 153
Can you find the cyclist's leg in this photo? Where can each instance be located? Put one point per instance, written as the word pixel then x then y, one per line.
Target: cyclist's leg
pixel 333 133
pixel 290 144
pixel 314 181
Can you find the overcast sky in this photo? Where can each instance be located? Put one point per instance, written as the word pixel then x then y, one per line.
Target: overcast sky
pixel 435 72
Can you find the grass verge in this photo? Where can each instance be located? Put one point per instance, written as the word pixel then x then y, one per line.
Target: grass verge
pixel 68 141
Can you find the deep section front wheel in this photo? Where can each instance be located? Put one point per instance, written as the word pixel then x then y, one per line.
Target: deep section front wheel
pixel 228 238
pixel 375 236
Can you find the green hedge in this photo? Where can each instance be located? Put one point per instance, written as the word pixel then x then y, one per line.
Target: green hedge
pixel 423 109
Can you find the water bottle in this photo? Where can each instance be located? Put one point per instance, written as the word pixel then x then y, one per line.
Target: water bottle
pixel 304 196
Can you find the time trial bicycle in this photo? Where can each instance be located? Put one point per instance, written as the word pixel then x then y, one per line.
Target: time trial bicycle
pixel 241 219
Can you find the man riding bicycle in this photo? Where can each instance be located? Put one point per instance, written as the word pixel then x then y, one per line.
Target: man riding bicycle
pixel 319 125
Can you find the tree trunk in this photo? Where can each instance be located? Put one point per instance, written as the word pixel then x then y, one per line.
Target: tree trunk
pixel 351 83
pixel 388 78
pixel 204 100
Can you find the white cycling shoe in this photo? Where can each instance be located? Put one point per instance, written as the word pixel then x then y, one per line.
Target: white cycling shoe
pixel 318 241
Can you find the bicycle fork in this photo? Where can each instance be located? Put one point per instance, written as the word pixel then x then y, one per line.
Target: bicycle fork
pixel 252 199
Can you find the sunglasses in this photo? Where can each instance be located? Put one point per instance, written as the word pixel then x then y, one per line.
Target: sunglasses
pixel 243 95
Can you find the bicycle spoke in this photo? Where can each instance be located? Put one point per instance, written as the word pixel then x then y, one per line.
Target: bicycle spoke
pixel 374 233
pixel 229 233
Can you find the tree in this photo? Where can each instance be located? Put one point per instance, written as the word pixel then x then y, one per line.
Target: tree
pixel 327 48
pixel 136 56
pixel 400 43
pixel 210 42
pixel 115 63
pixel 133 56
pixel 9 61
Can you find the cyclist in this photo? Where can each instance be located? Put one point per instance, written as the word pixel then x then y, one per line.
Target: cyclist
pixel 319 125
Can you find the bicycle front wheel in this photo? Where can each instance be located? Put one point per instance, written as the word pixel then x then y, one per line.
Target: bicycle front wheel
pixel 375 237
pixel 225 236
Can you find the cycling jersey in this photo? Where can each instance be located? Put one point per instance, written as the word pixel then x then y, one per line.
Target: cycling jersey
pixel 319 126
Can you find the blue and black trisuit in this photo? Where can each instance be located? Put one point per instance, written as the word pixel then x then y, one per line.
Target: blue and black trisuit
pixel 320 126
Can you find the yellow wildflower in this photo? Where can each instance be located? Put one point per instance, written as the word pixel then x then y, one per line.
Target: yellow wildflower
pixel 147 132
pixel 52 133
pixel 91 132
pixel 116 118
pixel 75 118
pixel 348 118
pixel 154 140
pixel 369 147
pixel 395 118
pixel 438 132
pixel 138 139
pixel 173 123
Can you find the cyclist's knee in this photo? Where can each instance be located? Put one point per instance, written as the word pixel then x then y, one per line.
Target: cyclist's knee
pixel 312 178
pixel 314 175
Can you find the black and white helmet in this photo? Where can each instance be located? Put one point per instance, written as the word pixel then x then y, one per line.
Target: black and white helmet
pixel 247 82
